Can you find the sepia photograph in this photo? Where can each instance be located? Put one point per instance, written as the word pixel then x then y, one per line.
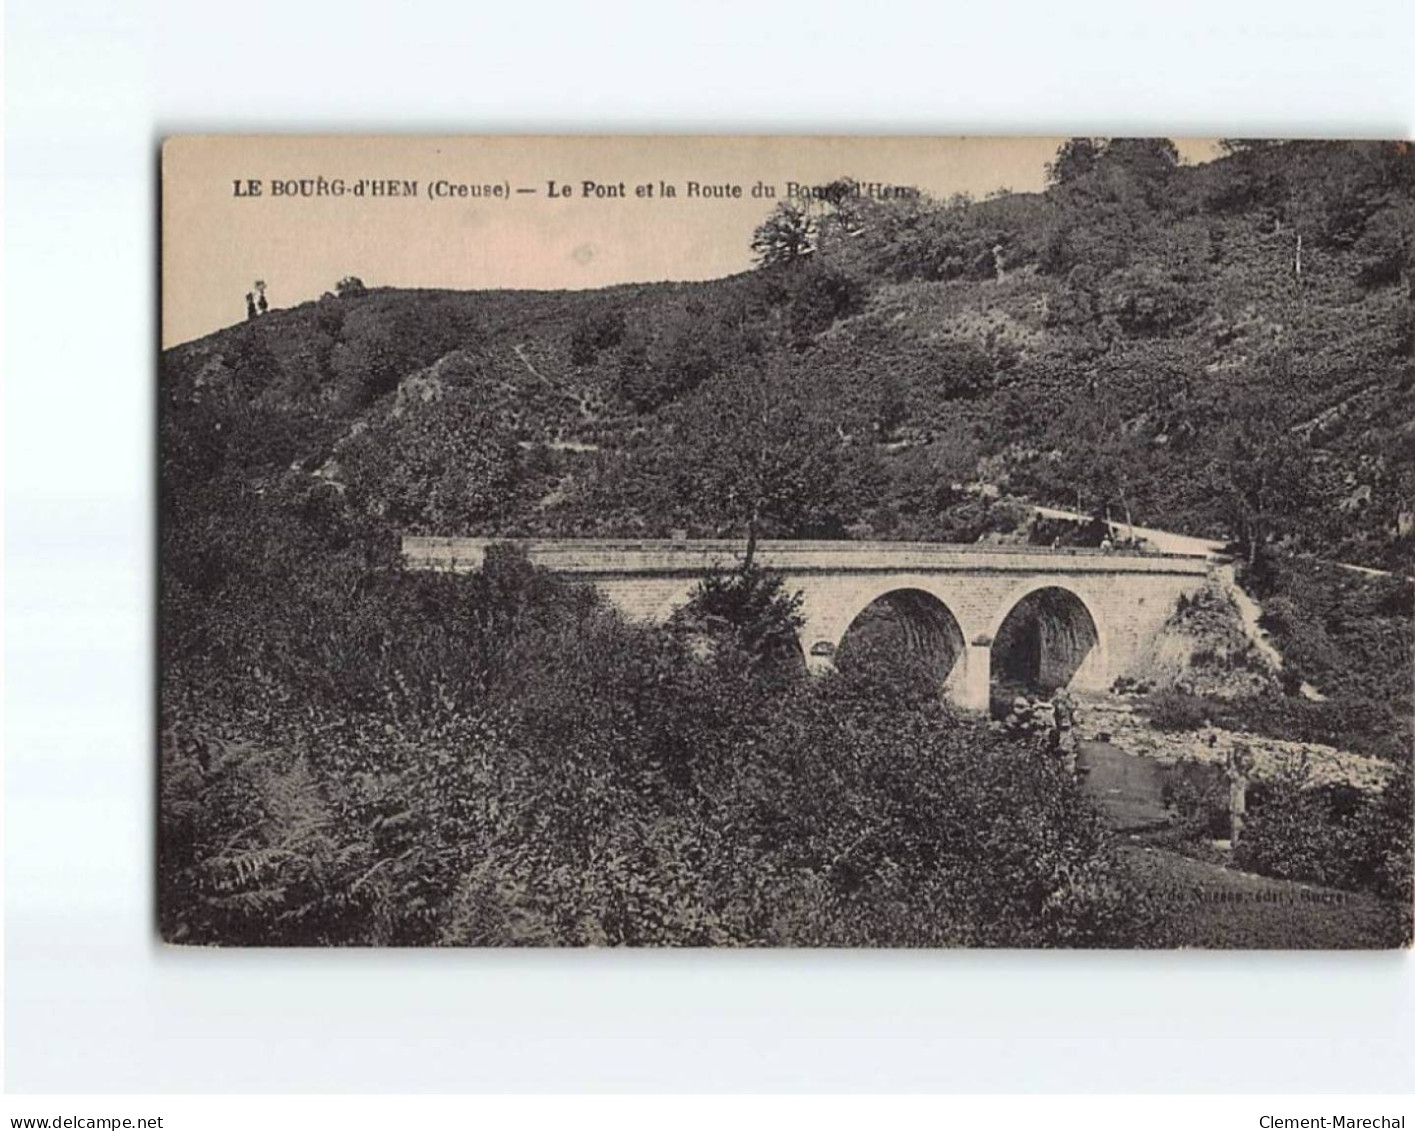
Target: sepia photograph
pixel 785 542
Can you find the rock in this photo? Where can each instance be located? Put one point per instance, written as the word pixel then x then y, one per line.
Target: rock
pixel 1326 765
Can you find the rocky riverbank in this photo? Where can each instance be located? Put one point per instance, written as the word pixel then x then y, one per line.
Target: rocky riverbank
pixel 1122 725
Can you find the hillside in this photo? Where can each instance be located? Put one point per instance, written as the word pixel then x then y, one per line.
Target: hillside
pixel 1137 340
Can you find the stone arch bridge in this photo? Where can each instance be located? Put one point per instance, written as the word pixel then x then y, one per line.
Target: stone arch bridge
pixel 1068 617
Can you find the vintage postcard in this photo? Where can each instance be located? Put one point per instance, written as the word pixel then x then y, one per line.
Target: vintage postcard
pixel 786 542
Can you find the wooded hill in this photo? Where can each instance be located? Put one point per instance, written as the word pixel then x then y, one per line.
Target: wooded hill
pixel 1223 349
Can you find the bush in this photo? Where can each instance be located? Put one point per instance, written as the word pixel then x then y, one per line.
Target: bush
pixel 1293 834
pixel 815 295
pixel 653 373
pixel 1386 248
pixel 1148 302
pixel 749 613
pixel 593 333
pixel 446 467
pixel 250 853
pixel 1178 711
pixel 1334 836
pixel 1343 723
pixel 1199 794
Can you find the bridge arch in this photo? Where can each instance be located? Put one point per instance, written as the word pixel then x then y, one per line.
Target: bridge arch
pixel 907 618
pixel 1047 634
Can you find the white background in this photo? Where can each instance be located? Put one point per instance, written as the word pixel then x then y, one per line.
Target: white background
pixel 93 1003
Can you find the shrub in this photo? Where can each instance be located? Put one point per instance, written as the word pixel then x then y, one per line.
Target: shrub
pixel 1386 836
pixel 1178 711
pixel 652 373
pixel 749 612
pixel 815 295
pixel 1386 248
pixel 449 466
pixel 1199 794
pixel 1333 836
pixel 1346 723
pixel 593 333
pixel 1292 833
pixel 249 850
pixel 1148 302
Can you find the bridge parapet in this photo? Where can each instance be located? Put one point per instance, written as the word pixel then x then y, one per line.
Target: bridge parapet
pixel 666 557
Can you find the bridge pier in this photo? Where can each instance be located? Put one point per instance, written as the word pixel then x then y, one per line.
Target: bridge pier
pixel 973 691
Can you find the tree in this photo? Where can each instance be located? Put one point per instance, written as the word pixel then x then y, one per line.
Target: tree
pixel 1114 464
pixel 1151 158
pixel 785 236
pixel 1074 159
pixel 798 228
pixel 1103 457
pixel 1387 246
pixel 1262 472
pixel 749 609
pixel 757 456
pixel 816 295
pixel 1234 145
pixel 350 286
pixel 594 332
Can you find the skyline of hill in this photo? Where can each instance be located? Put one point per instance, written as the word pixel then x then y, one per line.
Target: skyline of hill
pixel 1142 338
